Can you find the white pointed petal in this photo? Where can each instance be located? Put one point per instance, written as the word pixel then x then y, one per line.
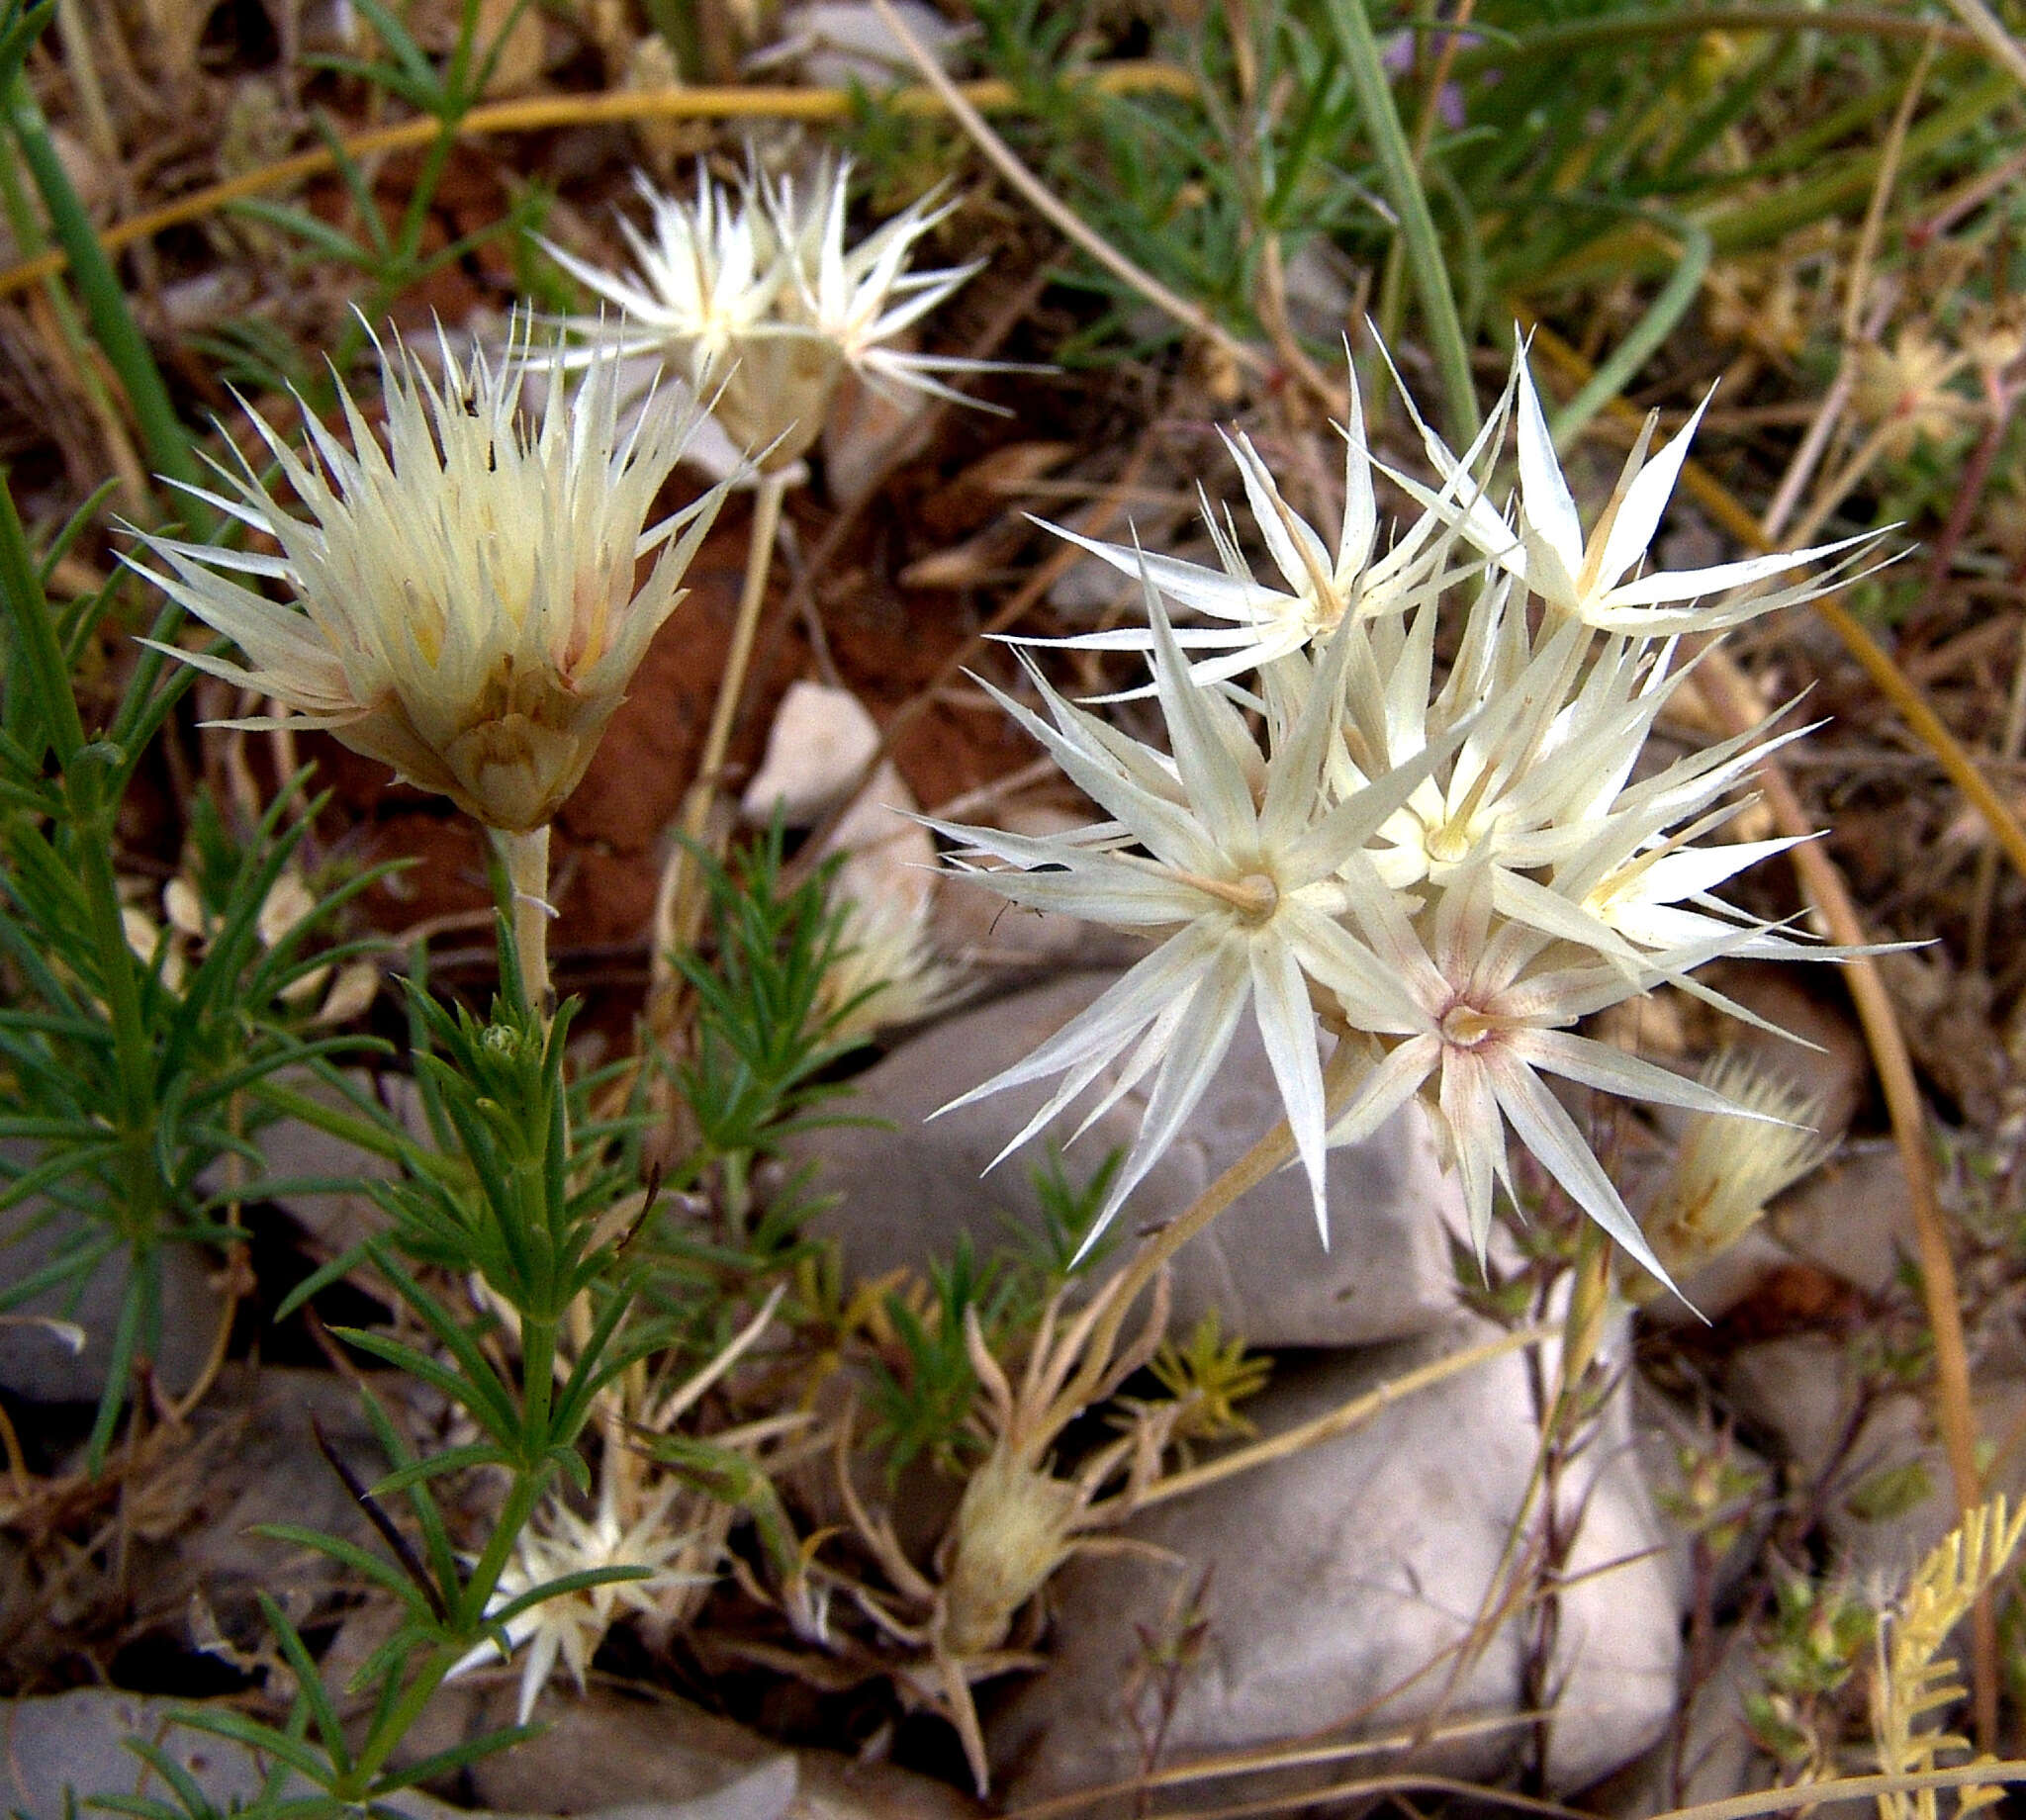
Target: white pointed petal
pixel 1354 821
pixel 1185 1072
pixel 1387 1088
pixel 1294 780
pixel 1375 997
pixel 1540 1123
pixel 1111 1021
pixel 1610 1070
pixel 1204 591
pixel 1165 827
pixel 1639 512
pixel 1287 1026
pixel 1297 552
pixel 1202 730
pixel 1545 499
pixel 1360 507
pixel 1690 584
pixel 1539 906
pixel 1477 1136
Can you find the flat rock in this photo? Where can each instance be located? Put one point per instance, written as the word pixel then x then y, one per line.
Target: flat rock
pixel 40 1366
pixel 610 1753
pixel 820 741
pixel 907 1192
pixel 607 1757
pixel 1334 1588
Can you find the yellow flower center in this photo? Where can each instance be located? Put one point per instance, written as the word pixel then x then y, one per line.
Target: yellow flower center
pixel 1465 1026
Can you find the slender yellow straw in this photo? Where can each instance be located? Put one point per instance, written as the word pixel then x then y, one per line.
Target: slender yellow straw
pixel 541 112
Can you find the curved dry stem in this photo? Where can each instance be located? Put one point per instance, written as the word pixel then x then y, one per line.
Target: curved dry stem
pixel 1733 697
pixel 541 114
pixel 1272 1152
pixel 1341 1419
pixel 1877 663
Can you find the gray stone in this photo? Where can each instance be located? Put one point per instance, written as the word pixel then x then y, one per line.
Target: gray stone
pixel 1886 1496
pixel 1338 1586
pixel 1708 1754
pixel 40 1366
pixel 907 1192
pixel 614 1755
pixel 610 1758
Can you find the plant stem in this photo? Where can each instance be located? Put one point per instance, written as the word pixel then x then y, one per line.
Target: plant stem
pixel 397 1721
pixel 526 858
pixel 1410 202
pixel 1332 1423
pixel 1272 1150
pixel 766 499
pixel 112 322
pixel 1589 1301
pixel 678 905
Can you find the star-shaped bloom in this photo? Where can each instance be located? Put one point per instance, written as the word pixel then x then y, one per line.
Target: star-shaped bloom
pixel 1596 578
pixel 1231 854
pixel 754 297
pixel 1320 587
pixel 1490 1007
pixel 569 1626
pixel 465 601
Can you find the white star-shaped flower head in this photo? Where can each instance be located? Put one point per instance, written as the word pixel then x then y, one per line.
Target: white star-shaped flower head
pixel 568 1627
pixel 754 297
pixel 1481 1009
pixel 1236 856
pixel 1320 587
pixel 465 608
pixel 1596 578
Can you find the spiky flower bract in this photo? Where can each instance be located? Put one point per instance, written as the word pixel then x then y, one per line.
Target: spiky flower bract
pixel 1727 1170
pixel 465 606
pixel 754 296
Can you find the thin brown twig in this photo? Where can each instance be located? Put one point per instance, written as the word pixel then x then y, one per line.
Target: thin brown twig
pixel 1734 699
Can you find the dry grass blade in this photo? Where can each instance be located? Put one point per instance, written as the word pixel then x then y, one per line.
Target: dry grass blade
pixel 1345 1416
pixel 548 113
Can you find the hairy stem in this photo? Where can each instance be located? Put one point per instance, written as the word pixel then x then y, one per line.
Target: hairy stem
pixel 526 858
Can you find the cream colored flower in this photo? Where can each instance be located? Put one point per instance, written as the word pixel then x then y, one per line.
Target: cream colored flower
pixel 1242 864
pixel 570 1626
pixel 465 606
pixel 1726 1170
pixel 1597 576
pixel 754 297
pixel 1318 585
pixel 1906 391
